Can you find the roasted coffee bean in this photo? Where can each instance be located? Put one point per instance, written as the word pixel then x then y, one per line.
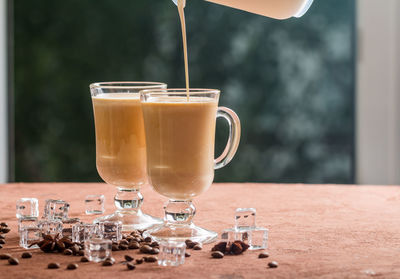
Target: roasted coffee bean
pixel 84 259
pixel 1 246
pixel 111 259
pixel 5 256
pixel 134 245
pixel 3 224
pixel 53 265
pixel 190 244
pixel 187 255
pixel 154 251
pixel 244 245
pixel 273 264
pixel 150 259
pixel 114 247
pixel 13 261
pixel 146 249
pixel 81 252
pixel 75 249
pixel 2 236
pixel 67 252
pixel 130 266
pixel 124 241
pixel 72 266
pixel 123 247
pixel 197 247
pixel 147 239
pixel 107 263
pixel 154 244
pixel 128 258
pixel 6 230
pixel 236 248
pixel 263 255
pixel 217 255
pixel 2 241
pixel 26 255
pixel 221 246
pixel 139 261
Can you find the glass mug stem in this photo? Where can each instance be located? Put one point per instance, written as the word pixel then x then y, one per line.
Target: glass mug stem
pixel 128 199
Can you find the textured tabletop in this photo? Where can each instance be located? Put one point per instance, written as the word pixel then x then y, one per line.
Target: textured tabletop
pixel 316 231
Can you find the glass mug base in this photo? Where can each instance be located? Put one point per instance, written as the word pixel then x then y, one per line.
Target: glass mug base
pixel 172 232
pixel 135 220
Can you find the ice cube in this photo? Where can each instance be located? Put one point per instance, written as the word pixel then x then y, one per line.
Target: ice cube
pixel 27 208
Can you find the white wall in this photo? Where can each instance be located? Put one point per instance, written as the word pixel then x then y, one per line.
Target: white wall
pixel 3 93
pixel 378 92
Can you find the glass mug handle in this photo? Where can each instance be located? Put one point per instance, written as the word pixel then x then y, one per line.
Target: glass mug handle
pixel 234 137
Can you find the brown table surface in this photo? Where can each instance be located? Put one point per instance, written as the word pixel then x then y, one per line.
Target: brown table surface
pixel 316 231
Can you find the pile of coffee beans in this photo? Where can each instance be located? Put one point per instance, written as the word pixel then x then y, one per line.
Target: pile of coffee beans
pixel 4 229
pixel 228 248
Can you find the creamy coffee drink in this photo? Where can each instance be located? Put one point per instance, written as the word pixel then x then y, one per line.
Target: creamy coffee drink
pixel 120 139
pixel 180 162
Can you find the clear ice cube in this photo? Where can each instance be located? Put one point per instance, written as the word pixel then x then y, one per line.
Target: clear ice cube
pixel 56 210
pixel 67 226
pixel 258 238
pixel 51 227
pixel 94 204
pixel 97 250
pixel 245 218
pixel 29 235
pixel 27 208
pixel 83 231
pixel 230 235
pixel 171 253
pixel 111 230
pixel 27 222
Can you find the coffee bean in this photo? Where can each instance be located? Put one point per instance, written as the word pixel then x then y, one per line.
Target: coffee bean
pixel 72 266
pixel 124 241
pixel 5 256
pixel 74 249
pixel 81 253
pixel 128 258
pixel 150 259
pixel 187 254
pixel 67 252
pixel 26 255
pixel 273 264
pixel 154 244
pixel 2 241
pixel 114 247
pixel 147 239
pixel 84 259
pixel 111 259
pixel 107 263
pixel 6 230
pixel 155 251
pixel 1 246
pixel 197 247
pixel 146 249
pixel 2 236
pixel 123 247
pixel 221 246
pixel 139 261
pixel 134 245
pixel 236 248
pixel 263 255
pixel 130 266
pixel 190 244
pixel 3 224
pixel 217 255
pixel 53 265
pixel 13 261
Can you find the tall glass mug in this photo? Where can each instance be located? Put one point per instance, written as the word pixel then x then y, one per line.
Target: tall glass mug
pixel 180 135
pixel 121 148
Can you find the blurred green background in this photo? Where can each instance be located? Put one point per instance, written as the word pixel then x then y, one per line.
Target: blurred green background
pixel 291 82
